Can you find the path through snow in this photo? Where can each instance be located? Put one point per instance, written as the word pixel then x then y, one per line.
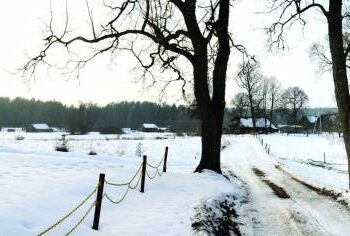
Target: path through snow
pixel 304 213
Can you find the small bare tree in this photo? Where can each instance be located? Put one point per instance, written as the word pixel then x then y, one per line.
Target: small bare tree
pixel 240 102
pixel 249 80
pixel 264 93
pixel 294 99
pixel 163 35
pixel 274 96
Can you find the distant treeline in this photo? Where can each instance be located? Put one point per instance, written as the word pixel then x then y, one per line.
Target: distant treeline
pixel 20 112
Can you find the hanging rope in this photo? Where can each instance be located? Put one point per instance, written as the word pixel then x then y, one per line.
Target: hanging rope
pixel 125 184
pixel 81 219
pixel 69 213
pixel 159 164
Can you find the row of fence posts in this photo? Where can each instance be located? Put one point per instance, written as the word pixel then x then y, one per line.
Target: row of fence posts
pixel 101 181
pixel 267 147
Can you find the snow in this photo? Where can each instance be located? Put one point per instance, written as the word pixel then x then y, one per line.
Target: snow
pixel 41 126
pixel 305 213
pixel 150 126
pixel 11 129
pixel 39 185
pixel 126 130
pixel 298 152
pixel 312 119
pixel 260 122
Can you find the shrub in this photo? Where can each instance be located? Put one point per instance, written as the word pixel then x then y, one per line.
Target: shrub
pixel 62 144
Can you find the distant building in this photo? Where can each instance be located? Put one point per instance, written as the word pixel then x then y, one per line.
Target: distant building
pixel 164 129
pixel 126 130
pixel 245 125
pixel 12 129
pixel 292 129
pixel 149 128
pixel 39 128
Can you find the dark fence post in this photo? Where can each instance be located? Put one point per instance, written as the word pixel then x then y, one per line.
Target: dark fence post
pixel 324 157
pixel 99 197
pixel 165 159
pixel 143 174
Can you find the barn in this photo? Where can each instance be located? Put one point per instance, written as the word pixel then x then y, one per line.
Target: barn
pixel 245 126
pixel 39 128
pixel 147 127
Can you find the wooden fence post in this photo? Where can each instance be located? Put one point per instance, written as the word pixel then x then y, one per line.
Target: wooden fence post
pixel 99 198
pixel 324 157
pixel 143 174
pixel 165 159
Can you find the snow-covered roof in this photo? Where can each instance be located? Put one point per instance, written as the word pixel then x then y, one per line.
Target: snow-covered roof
pixel 260 123
pixel 40 126
pixel 312 119
pixel 150 126
pixel 126 130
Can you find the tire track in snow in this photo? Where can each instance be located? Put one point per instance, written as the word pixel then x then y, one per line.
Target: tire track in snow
pixel 306 213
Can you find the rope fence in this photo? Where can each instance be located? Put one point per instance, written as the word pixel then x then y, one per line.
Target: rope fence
pixel 101 193
pixel 69 214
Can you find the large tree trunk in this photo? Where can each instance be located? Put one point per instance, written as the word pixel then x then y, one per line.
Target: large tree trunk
pixel 211 140
pixel 212 107
pixel 335 33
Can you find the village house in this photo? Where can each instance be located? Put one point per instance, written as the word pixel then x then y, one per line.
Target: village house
pixel 39 128
pixel 146 127
pixel 245 126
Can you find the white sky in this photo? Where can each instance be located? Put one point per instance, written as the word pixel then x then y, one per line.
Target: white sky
pixel 103 82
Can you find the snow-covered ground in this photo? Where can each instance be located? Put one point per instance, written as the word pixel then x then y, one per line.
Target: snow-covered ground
pixel 39 185
pixel 301 155
pixel 302 212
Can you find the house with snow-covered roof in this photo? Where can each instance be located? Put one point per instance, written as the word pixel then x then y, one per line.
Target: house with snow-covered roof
pixel 39 127
pixel 149 127
pixel 245 125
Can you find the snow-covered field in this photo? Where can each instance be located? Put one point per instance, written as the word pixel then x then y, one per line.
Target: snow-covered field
pixel 39 185
pixel 305 156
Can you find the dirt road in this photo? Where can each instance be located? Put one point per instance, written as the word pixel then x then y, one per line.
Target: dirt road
pixel 301 212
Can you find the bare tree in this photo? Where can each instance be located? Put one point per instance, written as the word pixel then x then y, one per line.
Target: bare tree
pixel 163 35
pixel 264 93
pixel 274 96
pixel 294 99
pixel 337 14
pixel 249 79
pixel 240 102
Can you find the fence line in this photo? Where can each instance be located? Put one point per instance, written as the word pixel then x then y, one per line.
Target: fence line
pixel 101 193
pixel 267 148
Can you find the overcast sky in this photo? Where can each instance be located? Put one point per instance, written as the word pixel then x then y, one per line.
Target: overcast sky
pixel 103 82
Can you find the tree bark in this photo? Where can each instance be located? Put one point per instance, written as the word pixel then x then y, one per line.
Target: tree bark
pixel 271 110
pixel 252 111
pixel 212 109
pixel 335 33
pixel 211 140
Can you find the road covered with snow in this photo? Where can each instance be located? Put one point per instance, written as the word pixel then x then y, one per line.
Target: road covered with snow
pixel 301 212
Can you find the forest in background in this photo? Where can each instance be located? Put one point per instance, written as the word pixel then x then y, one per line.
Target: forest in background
pixel 21 112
